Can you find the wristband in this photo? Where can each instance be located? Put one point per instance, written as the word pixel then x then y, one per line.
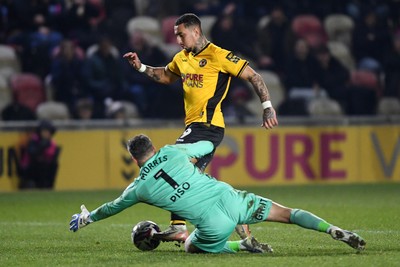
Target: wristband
pixel 266 104
pixel 142 68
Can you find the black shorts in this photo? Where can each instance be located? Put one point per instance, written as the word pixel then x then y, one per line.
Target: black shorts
pixel 198 132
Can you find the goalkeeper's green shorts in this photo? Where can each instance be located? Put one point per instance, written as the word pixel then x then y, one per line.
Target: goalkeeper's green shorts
pixel 235 207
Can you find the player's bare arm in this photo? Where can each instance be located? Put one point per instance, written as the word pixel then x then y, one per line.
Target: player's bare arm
pixel 269 114
pixel 158 74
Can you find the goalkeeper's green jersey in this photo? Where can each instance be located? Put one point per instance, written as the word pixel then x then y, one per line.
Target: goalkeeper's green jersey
pixel 169 180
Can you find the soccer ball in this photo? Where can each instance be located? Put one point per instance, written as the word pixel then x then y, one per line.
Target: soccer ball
pixel 142 235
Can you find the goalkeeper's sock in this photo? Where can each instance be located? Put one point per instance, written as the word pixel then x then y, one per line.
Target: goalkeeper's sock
pixel 178 222
pixel 232 247
pixel 308 220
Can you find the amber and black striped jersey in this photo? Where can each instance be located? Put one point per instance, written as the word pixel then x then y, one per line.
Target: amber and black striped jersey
pixel 206 78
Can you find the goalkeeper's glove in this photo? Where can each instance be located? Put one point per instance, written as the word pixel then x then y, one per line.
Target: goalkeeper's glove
pixel 80 220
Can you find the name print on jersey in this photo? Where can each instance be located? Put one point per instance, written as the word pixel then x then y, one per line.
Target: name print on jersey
pixel 180 191
pixel 193 80
pixel 149 166
pixel 260 212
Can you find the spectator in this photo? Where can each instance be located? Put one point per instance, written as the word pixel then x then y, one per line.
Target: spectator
pixel 78 22
pixel 392 69
pixel 103 74
pixel 41 43
pixel 118 13
pixel 300 67
pixel 67 74
pixel 229 32
pixel 39 159
pixel 235 106
pixel 274 41
pixel 17 112
pixel 9 18
pixel 370 38
pixel 153 100
pixel 331 75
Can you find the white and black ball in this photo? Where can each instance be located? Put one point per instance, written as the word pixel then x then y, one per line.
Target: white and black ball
pixel 142 235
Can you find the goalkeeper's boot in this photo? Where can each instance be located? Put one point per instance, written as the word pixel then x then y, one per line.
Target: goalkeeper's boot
pixel 243 230
pixel 175 232
pixel 351 239
pixel 252 245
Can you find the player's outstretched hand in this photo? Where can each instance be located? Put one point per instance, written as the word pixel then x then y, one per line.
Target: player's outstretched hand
pixel 269 118
pixel 80 220
pixel 133 59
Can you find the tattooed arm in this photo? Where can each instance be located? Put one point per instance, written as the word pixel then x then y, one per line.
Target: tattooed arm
pixel 269 114
pixel 158 74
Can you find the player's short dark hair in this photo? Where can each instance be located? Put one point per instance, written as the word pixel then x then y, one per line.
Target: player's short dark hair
pixel 139 146
pixel 188 19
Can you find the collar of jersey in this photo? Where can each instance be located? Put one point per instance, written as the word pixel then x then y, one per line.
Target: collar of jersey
pixel 202 49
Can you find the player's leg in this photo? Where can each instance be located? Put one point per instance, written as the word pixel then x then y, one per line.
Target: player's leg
pixel 249 244
pixel 213 232
pixel 177 231
pixel 308 220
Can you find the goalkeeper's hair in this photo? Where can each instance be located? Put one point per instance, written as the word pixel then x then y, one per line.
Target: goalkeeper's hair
pixel 188 19
pixel 139 146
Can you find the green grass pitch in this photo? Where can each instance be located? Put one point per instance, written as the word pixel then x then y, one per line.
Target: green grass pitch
pixel 34 230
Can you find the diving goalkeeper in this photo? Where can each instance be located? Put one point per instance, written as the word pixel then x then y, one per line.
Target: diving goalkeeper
pixel 170 181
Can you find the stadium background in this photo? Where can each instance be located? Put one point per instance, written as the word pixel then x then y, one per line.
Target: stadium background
pixel 319 146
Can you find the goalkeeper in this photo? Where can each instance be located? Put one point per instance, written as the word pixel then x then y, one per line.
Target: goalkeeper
pixel 170 181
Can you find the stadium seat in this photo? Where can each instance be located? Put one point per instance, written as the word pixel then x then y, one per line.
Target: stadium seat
pixel 5 93
pixel 304 24
pixel 7 72
pixel 310 28
pixel 207 22
pixel 275 89
pixel 167 29
pixel 148 25
pixel 323 106
pixel 51 110
pixel 339 27
pixel 8 58
pixel 28 89
pixel 131 110
pixel 342 53
pixel 389 106
pixel 365 79
pixel 263 22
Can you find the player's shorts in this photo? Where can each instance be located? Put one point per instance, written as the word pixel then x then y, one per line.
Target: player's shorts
pixel 201 131
pixel 235 207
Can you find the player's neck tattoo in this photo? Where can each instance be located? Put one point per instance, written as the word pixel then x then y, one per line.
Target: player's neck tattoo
pixel 200 44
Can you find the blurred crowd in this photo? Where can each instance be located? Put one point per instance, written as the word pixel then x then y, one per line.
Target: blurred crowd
pixel 68 55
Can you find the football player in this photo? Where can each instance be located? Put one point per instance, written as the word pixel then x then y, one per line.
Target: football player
pixel 205 71
pixel 170 181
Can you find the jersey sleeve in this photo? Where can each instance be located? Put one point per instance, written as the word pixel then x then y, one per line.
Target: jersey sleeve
pixel 126 200
pixel 231 63
pixel 173 66
pixel 196 150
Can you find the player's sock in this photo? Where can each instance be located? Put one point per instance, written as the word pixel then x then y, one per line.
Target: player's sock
pixel 178 222
pixel 308 220
pixel 232 247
